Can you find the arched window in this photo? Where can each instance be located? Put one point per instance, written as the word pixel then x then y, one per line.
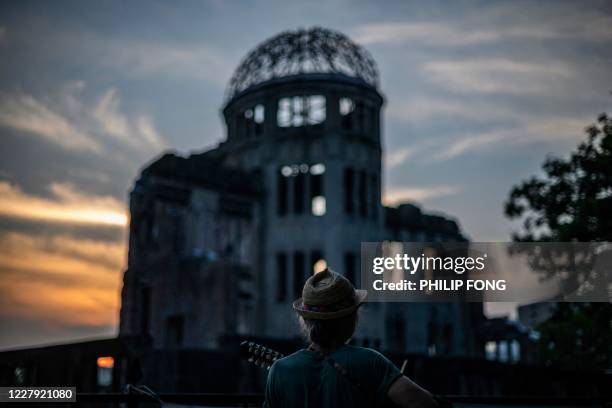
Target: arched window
pixel 250 122
pixel 302 185
pixel 299 111
pixel 347 106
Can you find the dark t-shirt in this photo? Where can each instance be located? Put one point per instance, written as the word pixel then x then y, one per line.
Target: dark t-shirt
pixel 304 379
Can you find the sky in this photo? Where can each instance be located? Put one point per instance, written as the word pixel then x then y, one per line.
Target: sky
pixel 477 93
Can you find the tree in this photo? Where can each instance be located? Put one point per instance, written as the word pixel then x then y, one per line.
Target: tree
pixel 577 336
pixel 573 202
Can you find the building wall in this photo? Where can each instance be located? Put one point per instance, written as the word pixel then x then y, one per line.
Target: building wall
pixel 292 234
pixel 207 260
pixel 190 277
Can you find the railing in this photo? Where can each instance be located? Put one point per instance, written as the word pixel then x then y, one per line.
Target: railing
pixel 256 400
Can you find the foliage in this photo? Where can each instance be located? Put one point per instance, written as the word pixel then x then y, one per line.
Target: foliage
pixel 572 202
pixel 578 335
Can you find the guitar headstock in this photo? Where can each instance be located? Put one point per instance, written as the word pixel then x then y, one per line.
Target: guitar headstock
pixel 259 355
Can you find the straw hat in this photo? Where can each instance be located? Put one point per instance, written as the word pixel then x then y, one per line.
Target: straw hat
pixel 328 295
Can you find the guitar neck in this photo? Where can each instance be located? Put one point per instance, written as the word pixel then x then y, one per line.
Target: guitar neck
pixel 260 355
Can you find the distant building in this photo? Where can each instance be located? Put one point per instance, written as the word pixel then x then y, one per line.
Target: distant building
pixel 509 341
pixel 222 241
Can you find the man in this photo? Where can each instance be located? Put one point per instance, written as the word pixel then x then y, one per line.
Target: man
pixel 330 373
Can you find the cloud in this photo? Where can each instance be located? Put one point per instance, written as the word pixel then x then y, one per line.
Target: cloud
pixel 112 122
pixel 60 280
pixel 67 43
pixel 394 158
pixel 69 121
pixel 493 25
pixel 451 35
pixel 395 195
pixel 130 57
pixel 498 75
pixel 560 130
pixel 507 126
pixel 420 108
pixel 469 144
pixel 66 206
pixel 77 304
pixel 62 256
pixel 423 33
pixel 27 114
pixel 108 255
pixel 175 61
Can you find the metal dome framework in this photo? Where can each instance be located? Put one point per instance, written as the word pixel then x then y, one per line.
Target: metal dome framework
pixel 316 50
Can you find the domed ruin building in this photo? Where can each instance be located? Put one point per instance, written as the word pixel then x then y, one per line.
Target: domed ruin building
pixel 221 242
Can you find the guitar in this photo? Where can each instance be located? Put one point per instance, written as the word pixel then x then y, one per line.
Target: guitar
pixel 264 357
pixel 259 355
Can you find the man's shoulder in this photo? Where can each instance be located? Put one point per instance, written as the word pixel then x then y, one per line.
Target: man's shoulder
pixel 291 361
pixel 304 357
pixel 363 352
pixel 365 357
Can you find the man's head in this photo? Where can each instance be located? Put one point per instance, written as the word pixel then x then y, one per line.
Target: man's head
pixel 329 334
pixel 328 308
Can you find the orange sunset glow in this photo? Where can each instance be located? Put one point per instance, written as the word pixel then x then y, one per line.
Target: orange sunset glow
pixel 70 206
pixel 55 279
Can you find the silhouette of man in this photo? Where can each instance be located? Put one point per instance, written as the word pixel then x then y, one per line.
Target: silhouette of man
pixel 330 373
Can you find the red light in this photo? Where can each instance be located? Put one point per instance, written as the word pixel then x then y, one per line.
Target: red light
pixel 106 362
